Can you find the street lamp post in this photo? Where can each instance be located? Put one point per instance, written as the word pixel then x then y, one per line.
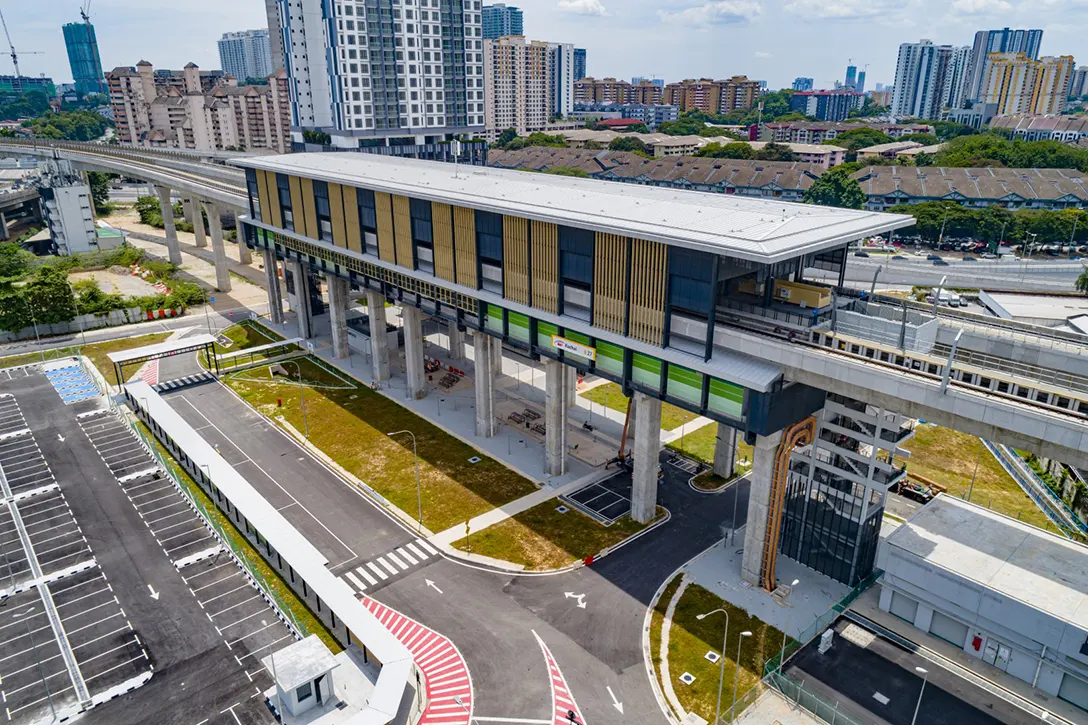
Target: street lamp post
pixel 419 491
pixel 925 676
pixel 34 645
pixel 782 655
pixel 75 302
pixel 721 668
pixel 301 395
pixel 736 677
pixel 937 294
pixel 34 322
pixel 978 459
pixel 459 701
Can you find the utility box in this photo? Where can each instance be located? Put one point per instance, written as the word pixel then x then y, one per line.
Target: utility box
pixel 826 640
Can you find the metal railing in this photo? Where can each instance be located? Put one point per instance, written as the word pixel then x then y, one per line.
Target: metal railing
pixel 1049 502
pixel 813 318
pixel 36 358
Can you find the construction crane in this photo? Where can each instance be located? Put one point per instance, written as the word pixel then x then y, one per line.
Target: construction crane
pixel 14 55
pixel 85 12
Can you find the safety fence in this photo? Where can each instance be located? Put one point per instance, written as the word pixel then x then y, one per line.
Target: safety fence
pixel 1056 511
pixel 32 358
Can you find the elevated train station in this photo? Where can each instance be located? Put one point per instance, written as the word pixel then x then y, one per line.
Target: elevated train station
pixel 700 300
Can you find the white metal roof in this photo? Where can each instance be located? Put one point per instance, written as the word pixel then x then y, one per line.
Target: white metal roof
pixel 1042 570
pixel 161 348
pixel 299 663
pixel 296 551
pixel 761 230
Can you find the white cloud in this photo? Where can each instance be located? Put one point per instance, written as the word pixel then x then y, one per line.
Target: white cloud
pixel 718 12
pixel 843 9
pixel 977 7
pixel 583 7
pixel 763 54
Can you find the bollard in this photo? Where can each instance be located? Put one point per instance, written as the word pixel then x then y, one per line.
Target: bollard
pixel 279 402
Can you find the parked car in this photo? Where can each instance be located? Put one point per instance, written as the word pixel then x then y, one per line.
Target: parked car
pixel 933 257
pixel 989 255
pixel 899 256
pixel 861 254
pixel 969 259
pixel 914 491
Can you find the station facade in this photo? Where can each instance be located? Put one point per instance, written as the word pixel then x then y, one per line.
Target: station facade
pixel 634 286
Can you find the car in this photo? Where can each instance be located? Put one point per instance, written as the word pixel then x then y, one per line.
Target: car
pixel 969 259
pixel 899 256
pixel 914 491
pixel 940 263
pixel 989 255
pixel 861 254
pixel 933 257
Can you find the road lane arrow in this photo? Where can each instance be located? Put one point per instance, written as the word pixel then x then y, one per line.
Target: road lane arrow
pixel 154 594
pixel 580 597
pixel 432 585
pixel 615 703
pixel 60 437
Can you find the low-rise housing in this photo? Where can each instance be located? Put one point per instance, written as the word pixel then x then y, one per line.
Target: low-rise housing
pixel 825 156
pixel 888 186
pixel 1068 129
pixel 888 150
pixel 818 132
pixel 651 115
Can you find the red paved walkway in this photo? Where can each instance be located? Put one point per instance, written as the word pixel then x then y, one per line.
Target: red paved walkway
pixel 562 698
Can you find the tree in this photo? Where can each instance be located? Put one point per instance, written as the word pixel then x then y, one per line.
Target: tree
pixel 836 188
pixel 592 145
pixel 79 125
pixel 948 130
pixel 100 191
pixel 537 138
pixel 630 143
pixel 318 138
pixel 775 152
pixel 14 261
pixel 1082 281
pixel 635 128
pixel 506 137
pixel 868 109
pixel 735 150
pixel 926 139
pixel 859 138
pixel 567 171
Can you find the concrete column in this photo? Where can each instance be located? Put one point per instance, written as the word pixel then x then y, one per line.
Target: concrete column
pixel 725 451
pixel 496 352
pixel 485 385
pixel 572 387
pixel 631 422
pixel 272 283
pixel 199 238
pixel 413 352
pixel 187 210
pixel 555 417
pixel 168 225
pixel 338 315
pixel 245 254
pixel 3 227
pixel 300 277
pixel 759 503
pixel 457 343
pixel 222 273
pixel 379 344
pixel 645 452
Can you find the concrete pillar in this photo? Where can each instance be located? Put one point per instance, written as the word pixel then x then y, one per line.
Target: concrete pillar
pixel 245 254
pixel 759 503
pixel 555 417
pixel 222 273
pixel 413 352
pixel 167 211
pixel 457 343
pixel 187 210
pixel 199 237
pixel 379 344
pixel 572 387
pixel 496 360
pixel 725 451
pixel 645 452
pixel 485 385
pixel 3 227
pixel 338 315
pixel 300 277
pixel 631 422
pixel 272 283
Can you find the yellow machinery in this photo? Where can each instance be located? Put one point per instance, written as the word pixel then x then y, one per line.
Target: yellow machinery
pixel 798 434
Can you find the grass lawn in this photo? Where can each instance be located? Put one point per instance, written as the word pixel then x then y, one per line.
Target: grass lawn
pixel 543 538
pixel 611 395
pixel 29 358
pixel 700 445
pixel 244 336
pixel 948 458
pixel 273 582
pixel 349 422
pixel 690 639
pixel 95 353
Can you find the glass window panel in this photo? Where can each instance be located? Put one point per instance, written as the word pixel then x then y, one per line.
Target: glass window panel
pixel 685 384
pixel 726 398
pixel 646 370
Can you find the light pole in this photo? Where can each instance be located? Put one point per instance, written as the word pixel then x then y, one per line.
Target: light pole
pixel 937 294
pixel 736 497
pixel 978 459
pixel 879 269
pixel 301 395
pixel 75 303
pixel 721 669
pixel 419 492
pixel 34 645
pixel 34 322
pixel 459 701
pixel 782 656
pixel 925 676
pixel 736 677
pixel 1002 240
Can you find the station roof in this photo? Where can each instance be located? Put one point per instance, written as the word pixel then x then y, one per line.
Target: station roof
pixel 760 230
pixel 1044 571
pixel 161 348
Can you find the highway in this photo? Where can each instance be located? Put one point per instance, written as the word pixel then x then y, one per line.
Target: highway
pixel 1035 275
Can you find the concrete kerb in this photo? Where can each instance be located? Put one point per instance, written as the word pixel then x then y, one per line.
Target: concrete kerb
pixel 720 489
pixel 647 653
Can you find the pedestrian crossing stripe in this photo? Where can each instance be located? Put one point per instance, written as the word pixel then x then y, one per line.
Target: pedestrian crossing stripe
pixel 389 564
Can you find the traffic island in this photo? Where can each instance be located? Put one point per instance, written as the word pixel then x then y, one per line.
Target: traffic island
pixel 695 649
pixel 350 423
pixel 545 538
pixel 700 445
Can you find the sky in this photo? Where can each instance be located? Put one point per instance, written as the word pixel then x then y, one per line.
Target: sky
pixel 772 40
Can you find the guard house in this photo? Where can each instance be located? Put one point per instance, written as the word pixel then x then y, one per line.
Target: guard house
pixel 638 285
pixel 302 673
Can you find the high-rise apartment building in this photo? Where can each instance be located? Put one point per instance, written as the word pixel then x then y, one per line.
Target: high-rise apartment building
pixel 82 45
pixel 191 109
pixel 1078 86
pixel 638 80
pixel 738 93
pixel 851 76
pixel 246 54
pixel 826 105
pixel 860 86
pixel 802 84
pixel 501 19
pixel 710 96
pixel 387 71
pixel 275 33
pixel 580 71
pixel 1005 40
pixel 526 83
pixel 612 91
pixel 928 78
pixel 1015 83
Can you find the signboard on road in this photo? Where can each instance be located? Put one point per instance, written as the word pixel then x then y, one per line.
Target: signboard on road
pixel 562 343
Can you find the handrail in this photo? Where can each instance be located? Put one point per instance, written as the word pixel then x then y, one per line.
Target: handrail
pixel 1052 507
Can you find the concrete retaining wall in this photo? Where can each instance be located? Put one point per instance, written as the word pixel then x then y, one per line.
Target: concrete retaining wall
pixel 80 322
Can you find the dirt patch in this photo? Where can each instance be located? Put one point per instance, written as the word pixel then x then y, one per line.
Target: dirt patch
pixel 113 282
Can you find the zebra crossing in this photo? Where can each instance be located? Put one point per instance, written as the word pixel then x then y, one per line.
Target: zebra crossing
pixel 183 382
pixel 378 571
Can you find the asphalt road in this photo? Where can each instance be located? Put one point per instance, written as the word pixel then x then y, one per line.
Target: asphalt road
pixel 490 616
pixel 1033 275
pixel 195 673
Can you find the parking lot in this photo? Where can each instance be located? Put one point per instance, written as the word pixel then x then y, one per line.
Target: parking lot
pixel 606 501
pixel 32 672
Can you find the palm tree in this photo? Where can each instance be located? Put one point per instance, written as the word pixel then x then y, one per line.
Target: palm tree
pixel 1082 281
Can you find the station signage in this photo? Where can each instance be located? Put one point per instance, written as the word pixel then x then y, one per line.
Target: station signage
pixel 562 343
